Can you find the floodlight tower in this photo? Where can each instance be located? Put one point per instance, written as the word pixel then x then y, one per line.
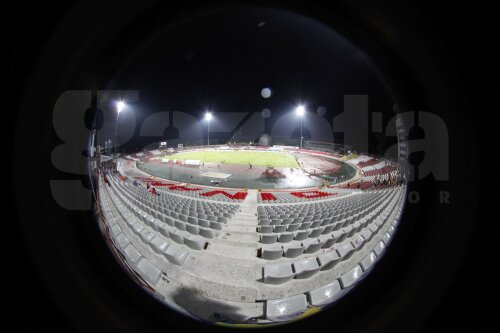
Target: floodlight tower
pixel 120 105
pixel 208 117
pixel 301 110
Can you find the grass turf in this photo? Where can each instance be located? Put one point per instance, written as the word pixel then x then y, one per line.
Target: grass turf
pixel 256 158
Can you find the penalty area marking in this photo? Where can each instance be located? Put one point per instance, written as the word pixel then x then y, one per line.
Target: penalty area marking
pixel 216 175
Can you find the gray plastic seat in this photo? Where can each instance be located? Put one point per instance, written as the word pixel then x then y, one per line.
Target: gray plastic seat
pixel 351 277
pixel 305 268
pixel 293 250
pixel 358 242
pixel 192 229
pixel 176 237
pixel 386 238
pixel 316 224
pixel 204 223
pixel 373 228
pixel 131 254
pixel 156 225
pixel 328 260
pixel 379 221
pixel 164 230
pixel 391 230
pixel 122 240
pixel 175 255
pixel 285 237
pixel 146 236
pixel 280 228
pixel 315 232
pixel 328 229
pixel 221 219
pixel 158 244
pixel 292 227
pixel 151 221
pixel 326 240
pixel 311 245
pixel 207 233
pixel 215 225
pixel 301 234
pixel 169 221
pixel 268 238
pixel 367 234
pixel 148 271
pixel 137 228
pixel 363 222
pixel 356 227
pixel 272 251
pixel 305 225
pixel 194 242
pixel 379 248
pixel 325 295
pixel 278 274
pixel 266 229
pixel 180 225
pixel 286 308
pixel 368 261
pixel 345 251
pixel 264 222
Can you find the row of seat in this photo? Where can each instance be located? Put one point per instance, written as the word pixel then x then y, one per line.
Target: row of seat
pixel 184 213
pixel 313 221
pixel 176 231
pixel 224 196
pixel 343 205
pixel 175 254
pixel 321 238
pixel 176 203
pixel 295 196
pixel 145 268
pixel 331 223
pixel 192 225
pixel 291 307
pixel 305 268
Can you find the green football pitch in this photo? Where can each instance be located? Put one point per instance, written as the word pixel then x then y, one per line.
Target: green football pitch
pixel 257 158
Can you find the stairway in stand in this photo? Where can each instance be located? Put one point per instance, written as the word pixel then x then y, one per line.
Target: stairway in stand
pixel 245 221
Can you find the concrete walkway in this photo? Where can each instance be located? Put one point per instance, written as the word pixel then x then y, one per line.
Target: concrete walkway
pixel 244 223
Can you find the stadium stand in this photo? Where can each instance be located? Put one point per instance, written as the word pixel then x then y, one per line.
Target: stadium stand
pixel 272 255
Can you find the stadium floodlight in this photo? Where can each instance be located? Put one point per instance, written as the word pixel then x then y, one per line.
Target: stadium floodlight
pixel 301 110
pixel 208 117
pixel 120 105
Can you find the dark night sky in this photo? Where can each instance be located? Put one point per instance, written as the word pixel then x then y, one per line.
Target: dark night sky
pixel 222 60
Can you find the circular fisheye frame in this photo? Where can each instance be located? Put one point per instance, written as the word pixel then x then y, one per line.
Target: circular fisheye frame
pixel 158 189
pixel 239 217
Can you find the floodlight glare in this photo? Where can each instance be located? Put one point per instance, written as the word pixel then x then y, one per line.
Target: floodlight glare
pixel 300 110
pixel 208 116
pixel 120 105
